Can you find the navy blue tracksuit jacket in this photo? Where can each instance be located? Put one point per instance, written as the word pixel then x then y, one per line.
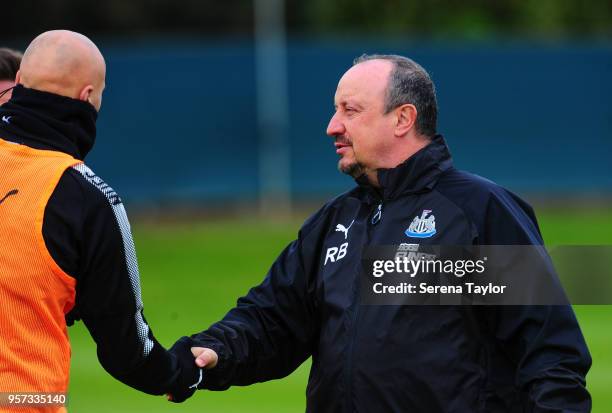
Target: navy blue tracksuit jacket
pixel 403 358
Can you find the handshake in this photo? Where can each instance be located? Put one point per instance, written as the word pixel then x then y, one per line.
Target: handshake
pixel 191 361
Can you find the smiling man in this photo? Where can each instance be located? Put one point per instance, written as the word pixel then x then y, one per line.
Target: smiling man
pixel 393 358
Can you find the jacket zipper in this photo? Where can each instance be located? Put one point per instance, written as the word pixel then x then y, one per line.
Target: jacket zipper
pixel 377 215
pixel 375 219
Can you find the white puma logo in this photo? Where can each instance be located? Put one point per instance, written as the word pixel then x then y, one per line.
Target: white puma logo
pixel 342 228
pixel 195 385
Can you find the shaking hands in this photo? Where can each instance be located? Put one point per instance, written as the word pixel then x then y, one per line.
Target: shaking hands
pixel 191 361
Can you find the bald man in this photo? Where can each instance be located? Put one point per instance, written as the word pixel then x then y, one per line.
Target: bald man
pixel 9 65
pixel 67 251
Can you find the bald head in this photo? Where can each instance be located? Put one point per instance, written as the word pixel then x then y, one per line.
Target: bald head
pixel 65 63
pixel 368 80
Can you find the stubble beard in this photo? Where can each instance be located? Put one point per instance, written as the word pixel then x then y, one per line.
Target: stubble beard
pixel 354 169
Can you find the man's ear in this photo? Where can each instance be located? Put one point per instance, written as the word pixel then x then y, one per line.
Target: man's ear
pixel 86 93
pixel 406 116
pixel 18 77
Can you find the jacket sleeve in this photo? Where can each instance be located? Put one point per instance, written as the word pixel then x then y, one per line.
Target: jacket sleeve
pixel 544 342
pixel 271 330
pixel 87 233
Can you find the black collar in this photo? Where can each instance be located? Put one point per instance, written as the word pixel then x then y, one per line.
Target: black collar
pixel 45 120
pixel 416 174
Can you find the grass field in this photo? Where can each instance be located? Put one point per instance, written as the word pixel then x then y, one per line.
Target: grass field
pixel 192 273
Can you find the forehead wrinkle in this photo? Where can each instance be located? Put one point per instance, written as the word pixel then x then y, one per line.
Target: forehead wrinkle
pixel 364 86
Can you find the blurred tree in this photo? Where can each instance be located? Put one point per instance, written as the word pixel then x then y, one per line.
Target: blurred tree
pixel 476 19
pixel 471 19
pixel 133 17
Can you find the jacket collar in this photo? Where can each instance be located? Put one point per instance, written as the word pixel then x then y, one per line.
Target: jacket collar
pixel 48 121
pixel 418 173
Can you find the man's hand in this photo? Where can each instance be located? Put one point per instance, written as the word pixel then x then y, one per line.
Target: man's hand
pixel 205 357
pixel 190 375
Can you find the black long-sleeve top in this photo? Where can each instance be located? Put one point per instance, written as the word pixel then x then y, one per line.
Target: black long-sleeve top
pixel 87 233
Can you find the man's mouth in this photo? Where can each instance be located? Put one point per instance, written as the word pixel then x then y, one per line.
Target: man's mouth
pixel 341 147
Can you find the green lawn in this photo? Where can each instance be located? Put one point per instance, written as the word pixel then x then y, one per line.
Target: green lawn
pixel 193 272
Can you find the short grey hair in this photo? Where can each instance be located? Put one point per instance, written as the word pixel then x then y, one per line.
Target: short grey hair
pixel 409 83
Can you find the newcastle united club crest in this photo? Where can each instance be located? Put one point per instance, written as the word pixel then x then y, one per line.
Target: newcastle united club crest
pixel 423 226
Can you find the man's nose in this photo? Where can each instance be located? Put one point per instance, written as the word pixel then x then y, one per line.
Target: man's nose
pixel 335 127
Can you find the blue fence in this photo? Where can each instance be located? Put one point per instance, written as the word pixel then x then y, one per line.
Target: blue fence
pixel 178 121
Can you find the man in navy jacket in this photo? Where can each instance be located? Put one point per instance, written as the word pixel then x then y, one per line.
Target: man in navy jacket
pixel 372 358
